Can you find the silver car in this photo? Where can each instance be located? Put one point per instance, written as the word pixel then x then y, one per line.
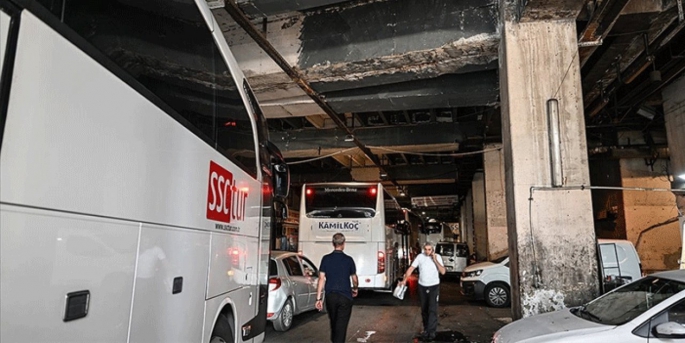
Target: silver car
pixel 292 288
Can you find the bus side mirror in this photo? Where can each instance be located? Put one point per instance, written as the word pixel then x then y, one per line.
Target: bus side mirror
pixel 281 180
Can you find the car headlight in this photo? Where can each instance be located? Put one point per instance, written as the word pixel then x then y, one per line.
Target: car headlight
pixel 474 273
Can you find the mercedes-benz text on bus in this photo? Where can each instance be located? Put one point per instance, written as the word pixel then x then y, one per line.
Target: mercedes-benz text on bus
pixel 136 178
pixel 367 215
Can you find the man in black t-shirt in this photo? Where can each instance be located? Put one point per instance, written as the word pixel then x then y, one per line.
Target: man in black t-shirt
pixel 337 268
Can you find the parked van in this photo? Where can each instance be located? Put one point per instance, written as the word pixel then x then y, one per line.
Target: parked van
pixel 619 264
pixel 454 255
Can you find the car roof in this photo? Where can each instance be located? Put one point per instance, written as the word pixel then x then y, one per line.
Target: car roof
pixel 677 275
pixel 276 254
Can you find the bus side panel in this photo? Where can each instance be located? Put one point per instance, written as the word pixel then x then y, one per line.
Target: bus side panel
pixel 45 255
pixel 177 317
pixel 233 268
pixel 117 155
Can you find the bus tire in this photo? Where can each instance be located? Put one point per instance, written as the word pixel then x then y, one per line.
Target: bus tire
pixel 222 331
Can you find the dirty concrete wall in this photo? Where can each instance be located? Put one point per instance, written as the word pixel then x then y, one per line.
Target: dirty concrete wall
pixel 480 229
pixel 495 202
pixel 651 216
pixel 551 235
pixel 674 109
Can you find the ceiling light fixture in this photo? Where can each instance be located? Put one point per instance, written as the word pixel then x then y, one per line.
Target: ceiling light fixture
pixel 682 176
pixel 349 138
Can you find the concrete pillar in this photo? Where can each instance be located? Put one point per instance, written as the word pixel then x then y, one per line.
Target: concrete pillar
pixel 674 109
pixel 650 216
pixel 551 234
pixel 480 229
pixel 495 202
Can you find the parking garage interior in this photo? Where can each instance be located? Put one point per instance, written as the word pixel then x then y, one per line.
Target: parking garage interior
pixel 448 104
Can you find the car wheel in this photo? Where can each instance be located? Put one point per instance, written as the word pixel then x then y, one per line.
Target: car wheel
pixel 222 331
pixel 285 319
pixel 497 295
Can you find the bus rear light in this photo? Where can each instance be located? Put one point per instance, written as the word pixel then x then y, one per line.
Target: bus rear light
pixel 276 282
pixel 373 191
pixel 381 262
pixel 309 191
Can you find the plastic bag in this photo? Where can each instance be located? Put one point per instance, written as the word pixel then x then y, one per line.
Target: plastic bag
pixel 399 291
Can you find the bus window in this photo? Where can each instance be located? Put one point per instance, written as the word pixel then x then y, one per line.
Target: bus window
pixel 170 57
pixel 326 201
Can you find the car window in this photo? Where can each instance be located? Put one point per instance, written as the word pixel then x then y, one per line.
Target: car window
pixel 309 267
pixel 462 250
pixel 293 266
pixel 624 304
pixel 675 313
pixel 499 260
pixel 445 249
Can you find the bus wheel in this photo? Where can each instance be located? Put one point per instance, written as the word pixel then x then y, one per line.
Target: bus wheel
pixel 285 320
pixel 222 331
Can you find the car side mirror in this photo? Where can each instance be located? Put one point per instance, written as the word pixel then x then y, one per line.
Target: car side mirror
pixel 669 330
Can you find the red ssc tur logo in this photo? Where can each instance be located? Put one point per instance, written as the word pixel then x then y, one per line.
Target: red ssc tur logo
pixel 224 200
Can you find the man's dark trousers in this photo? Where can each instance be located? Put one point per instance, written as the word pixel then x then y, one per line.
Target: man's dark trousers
pixel 429 308
pixel 339 309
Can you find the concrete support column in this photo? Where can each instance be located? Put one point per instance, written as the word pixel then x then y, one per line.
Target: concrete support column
pixel 495 202
pixel 480 229
pixel 551 234
pixel 674 109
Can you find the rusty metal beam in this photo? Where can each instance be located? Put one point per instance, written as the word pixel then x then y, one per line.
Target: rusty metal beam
pixel 299 79
pixel 599 26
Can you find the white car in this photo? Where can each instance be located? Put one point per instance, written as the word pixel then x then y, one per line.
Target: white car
pixel 489 281
pixel 292 288
pixel 651 309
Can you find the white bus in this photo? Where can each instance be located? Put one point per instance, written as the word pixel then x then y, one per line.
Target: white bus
pixel 136 185
pixel 367 215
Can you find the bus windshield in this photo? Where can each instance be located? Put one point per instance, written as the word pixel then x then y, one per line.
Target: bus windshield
pixel 341 201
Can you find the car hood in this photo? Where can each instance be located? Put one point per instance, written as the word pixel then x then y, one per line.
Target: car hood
pixel 548 327
pixel 482 265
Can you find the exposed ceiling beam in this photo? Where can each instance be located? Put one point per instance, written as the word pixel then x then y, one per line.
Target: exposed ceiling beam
pixel 598 27
pixel 456 90
pixel 311 142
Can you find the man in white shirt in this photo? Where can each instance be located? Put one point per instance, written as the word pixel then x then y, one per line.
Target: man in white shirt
pixel 430 268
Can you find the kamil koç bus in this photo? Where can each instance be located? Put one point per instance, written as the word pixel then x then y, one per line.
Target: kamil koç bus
pixel 369 217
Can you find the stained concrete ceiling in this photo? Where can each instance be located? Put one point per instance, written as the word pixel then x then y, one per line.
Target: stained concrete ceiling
pixel 416 81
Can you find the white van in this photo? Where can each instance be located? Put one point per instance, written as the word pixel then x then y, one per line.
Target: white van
pixel 620 264
pixel 455 256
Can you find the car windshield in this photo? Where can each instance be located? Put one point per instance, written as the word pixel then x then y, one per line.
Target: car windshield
pixel 499 260
pixel 624 304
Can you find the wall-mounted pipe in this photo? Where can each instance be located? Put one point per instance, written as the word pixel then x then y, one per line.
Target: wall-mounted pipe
pixel 554 132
